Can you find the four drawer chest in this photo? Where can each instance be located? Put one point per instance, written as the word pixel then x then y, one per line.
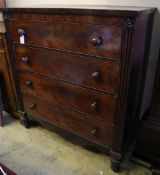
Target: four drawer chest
pixel 81 69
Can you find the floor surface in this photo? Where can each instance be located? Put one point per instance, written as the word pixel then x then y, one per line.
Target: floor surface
pixel 37 151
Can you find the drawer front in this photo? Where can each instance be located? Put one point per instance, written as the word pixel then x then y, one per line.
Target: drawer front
pixel 81 99
pixel 97 40
pixel 71 121
pixel 87 71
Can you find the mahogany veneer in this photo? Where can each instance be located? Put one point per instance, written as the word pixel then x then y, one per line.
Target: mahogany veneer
pixel 70 120
pixel 80 99
pixel 71 36
pixel 82 69
pixel 86 71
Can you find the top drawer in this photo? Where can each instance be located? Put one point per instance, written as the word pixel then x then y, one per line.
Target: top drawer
pixel 90 39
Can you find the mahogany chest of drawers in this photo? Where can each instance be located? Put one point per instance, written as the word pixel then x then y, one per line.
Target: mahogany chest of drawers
pixel 81 69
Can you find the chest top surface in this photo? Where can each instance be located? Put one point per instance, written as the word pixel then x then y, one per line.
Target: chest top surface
pixel 86 9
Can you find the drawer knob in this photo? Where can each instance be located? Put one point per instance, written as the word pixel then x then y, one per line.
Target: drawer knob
pixel 32 106
pixel 28 83
pixel 21 32
pixel 96 75
pixel 94 131
pixel 25 60
pixel 97 41
pixel 94 105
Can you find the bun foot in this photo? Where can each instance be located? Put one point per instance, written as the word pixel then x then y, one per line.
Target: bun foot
pixel 24 120
pixel 115 165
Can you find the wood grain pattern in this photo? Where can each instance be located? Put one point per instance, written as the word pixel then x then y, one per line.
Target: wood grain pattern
pixel 69 120
pixel 70 67
pixel 73 37
pixel 101 10
pixel 69 18
pixel 71 96
pixel 83 40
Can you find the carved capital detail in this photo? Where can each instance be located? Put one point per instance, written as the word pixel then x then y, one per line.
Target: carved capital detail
pixel 6 16
pixel 129 22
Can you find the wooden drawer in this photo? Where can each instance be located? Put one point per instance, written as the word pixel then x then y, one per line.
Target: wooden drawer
pixel 98 40
pixel 87 71
pixel 81 99
pixel 71 121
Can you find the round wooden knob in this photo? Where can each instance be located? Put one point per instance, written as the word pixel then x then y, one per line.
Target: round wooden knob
pixel 28 83
pixel 32 106
pixel 94 131
pixel 25 60
pixel 97 41
pixel 21 32
pixel 96 75
pixel 94 105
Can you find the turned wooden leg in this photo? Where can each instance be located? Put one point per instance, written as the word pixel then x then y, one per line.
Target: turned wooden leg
pixel 24 120
pixel 115 165
pixel 115 161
